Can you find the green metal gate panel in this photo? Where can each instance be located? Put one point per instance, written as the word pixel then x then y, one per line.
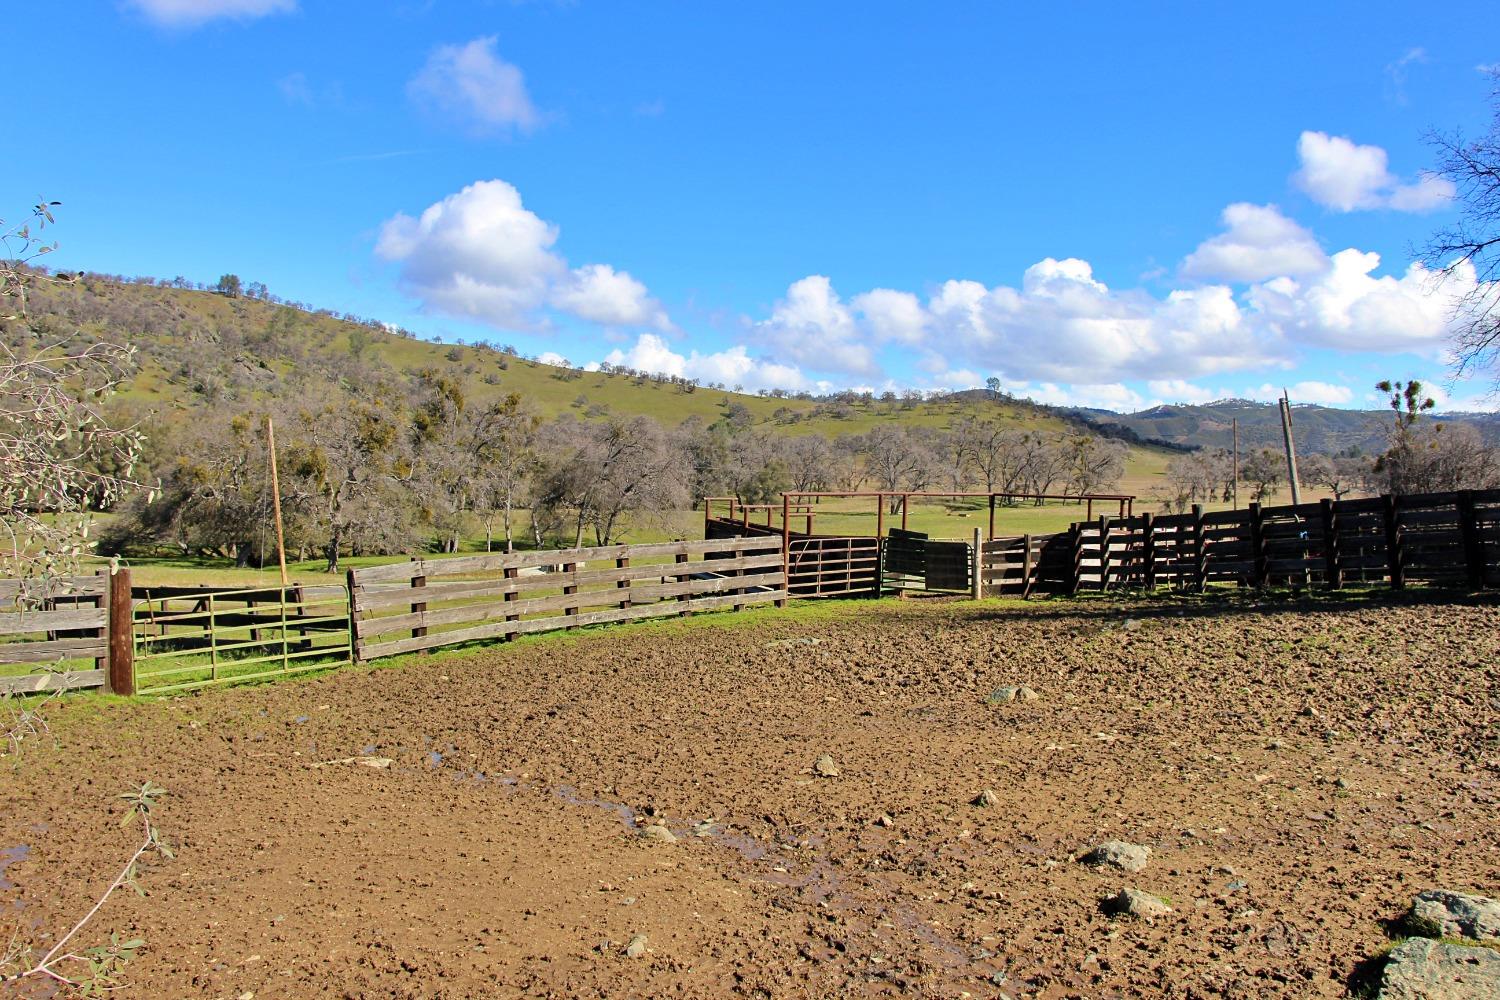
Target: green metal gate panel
pixel 189 638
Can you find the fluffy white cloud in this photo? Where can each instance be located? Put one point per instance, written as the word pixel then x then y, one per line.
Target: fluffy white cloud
pixel 814 327
pixel 1349 308
pixel 478 253
pixel 892 315
pixel 1322 393
pixel 1178 390
pixel 1345 176
pixel 733 366
pixel 1258 242
pixel 1063 325
pixel 191 13
pixel 599 293
pixel 481 254
pixel 473 85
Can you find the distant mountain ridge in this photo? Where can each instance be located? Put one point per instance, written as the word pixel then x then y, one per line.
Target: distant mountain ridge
pixel 1317 428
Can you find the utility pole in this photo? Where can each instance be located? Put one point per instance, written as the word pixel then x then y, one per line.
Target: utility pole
pixel 1234 486
pixel 276 501
pixel 1291 450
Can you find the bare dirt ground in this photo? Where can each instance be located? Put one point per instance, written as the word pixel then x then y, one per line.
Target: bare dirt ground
pixel 1298 775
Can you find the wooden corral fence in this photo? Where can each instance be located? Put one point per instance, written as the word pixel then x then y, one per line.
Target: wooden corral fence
pixel 1450 539
pixel 56 631
pixel 427 603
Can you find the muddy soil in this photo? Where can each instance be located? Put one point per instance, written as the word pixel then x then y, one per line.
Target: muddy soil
pixel 1298 772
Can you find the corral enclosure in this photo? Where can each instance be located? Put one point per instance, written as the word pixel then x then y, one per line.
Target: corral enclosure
pixel 470 825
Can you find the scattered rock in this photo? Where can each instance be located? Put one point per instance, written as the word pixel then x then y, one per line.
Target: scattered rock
pixel 707 828
pixel 658 833
pixel 375 762
pixel 1441 913
pixel 884 820
pixel 986 798
pixel 1135 903
pixel 637 946
pixel 1010 693
pixel 1421 969
pixel 1118 855
pixel 824 767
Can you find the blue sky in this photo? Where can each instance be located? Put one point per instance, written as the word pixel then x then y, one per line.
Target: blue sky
pixel 1096 203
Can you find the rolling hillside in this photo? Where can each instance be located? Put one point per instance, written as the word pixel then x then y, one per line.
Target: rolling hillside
pixel 200 347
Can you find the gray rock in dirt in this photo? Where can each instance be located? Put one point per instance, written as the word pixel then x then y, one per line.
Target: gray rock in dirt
pixel 1422 969
pixel 1118 855
pixel 986 798
pixel 637 946
pixel 824 767
pixel 1441 913
pixel 1135 903
pixel 1011 693
pixel 658 833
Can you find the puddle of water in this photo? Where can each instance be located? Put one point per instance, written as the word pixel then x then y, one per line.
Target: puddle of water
pixel 12 856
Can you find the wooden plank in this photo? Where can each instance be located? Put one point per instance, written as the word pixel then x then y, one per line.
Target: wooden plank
pixel 558 622
pixel 70 680
pixel 22 622
pixel 57 649
pixel 63 586
pixel 497 562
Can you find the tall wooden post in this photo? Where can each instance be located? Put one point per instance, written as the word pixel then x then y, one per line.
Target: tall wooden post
pixel 682 557
pixel 624 584
pixel 879 515
pixel 1257 545
pixel 786 545
pixel 905 503
pixel 276 503
pixel 1333 574
pixel 511 574
pixel 121 677
pixel 992 517
pixel 1395 563
pixel 1075 549
pixel 1200 551
pixel 1025 566
pixel 354 643
pixel 1148 551
pixel 1103 552
pixel 1468 529
pixel 571 588
pixel 976 571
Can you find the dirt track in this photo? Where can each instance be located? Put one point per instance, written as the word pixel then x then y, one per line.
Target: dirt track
pixel 1298 777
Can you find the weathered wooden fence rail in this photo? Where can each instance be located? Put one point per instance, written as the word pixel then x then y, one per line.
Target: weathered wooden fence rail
pixel 1448 539
pixel 427 603
pixel 58 631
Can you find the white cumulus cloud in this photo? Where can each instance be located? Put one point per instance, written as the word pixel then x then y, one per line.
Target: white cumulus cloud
pixel 733 366
pixel 599 293
pixel 481 254
pixel 1345 176
pixel 814 327
pixel 1258 242
pixel 191 13
pixel 472 85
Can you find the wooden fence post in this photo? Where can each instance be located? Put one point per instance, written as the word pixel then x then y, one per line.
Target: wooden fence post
pixel 682 598
pixel 1333 574
pixel 1025 567
pixel 877 585
pixel 1468 527
pixel 121 677
pixel 623 563
pixel 1395 563
pixel 1103 552
pixel 1148 551
pixel 1200 551
pixel 512 574
pixel 102 633
pixel 976 566
pixel 354 643
pixel 417 583
pixel 1257 545
pixel 1075 548
pixel 567 589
